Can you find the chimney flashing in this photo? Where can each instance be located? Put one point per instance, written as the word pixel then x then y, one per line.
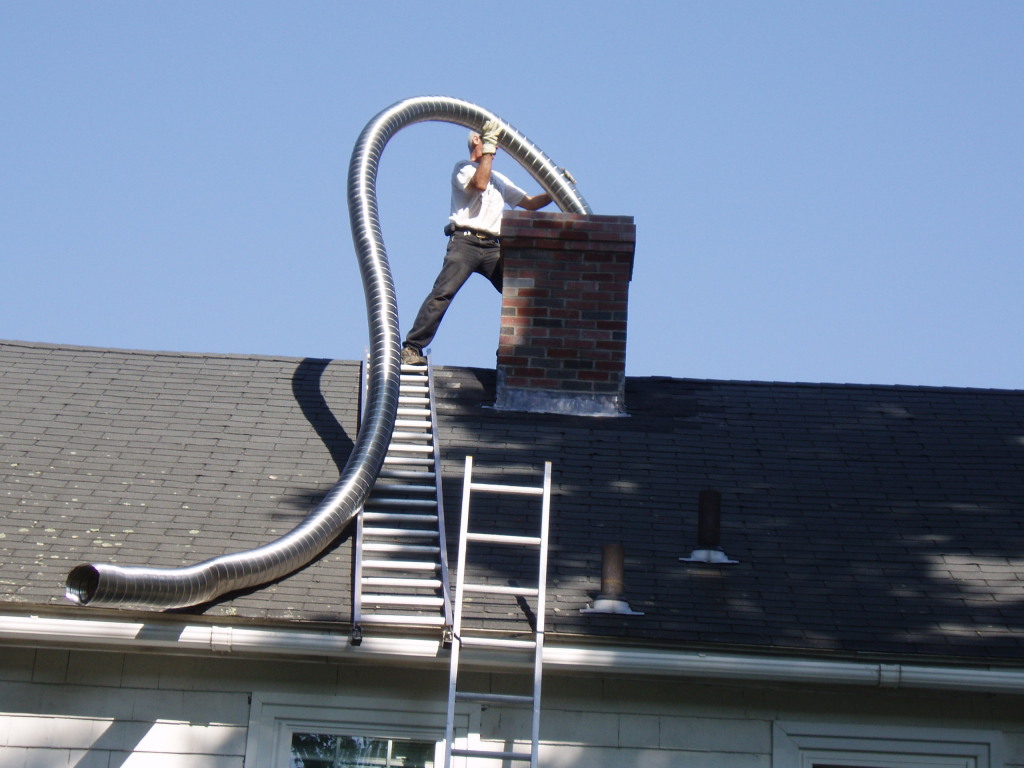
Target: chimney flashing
pixel 534 400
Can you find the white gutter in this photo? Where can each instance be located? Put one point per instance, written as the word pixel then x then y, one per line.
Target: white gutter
pixel 138 636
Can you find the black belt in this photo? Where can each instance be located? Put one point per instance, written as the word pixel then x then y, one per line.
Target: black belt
pixel 477 233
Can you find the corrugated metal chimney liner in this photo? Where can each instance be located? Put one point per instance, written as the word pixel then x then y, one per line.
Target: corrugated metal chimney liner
pixel 165 588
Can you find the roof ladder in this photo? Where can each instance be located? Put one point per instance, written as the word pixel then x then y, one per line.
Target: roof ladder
pixel 400 574
pixel 467 641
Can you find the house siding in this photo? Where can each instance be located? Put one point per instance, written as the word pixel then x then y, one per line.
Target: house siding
pixel 110 709
pixel 76 708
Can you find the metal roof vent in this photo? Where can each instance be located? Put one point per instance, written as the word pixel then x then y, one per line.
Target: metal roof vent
pixel 613 588
pixel 709 530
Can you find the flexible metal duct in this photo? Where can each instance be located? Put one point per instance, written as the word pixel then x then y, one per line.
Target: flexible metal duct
pixel 164 588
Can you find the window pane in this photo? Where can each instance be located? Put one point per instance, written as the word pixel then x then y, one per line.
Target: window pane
pixel 360 752
pixel 317 750
pixel 412 754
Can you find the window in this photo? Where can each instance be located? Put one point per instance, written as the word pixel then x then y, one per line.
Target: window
pixel 290 731
pixel 320 750
pixel 825 745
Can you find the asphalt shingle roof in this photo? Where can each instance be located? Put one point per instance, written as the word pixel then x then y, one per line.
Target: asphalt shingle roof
pixel 865 519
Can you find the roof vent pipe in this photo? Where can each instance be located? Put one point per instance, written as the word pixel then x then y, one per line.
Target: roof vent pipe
pixel 709 530
pixel 611 599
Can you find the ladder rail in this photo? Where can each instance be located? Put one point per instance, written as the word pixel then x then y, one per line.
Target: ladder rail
pixel 453 665
pixel 357 546
pixel 442 542
pixel 357 575
pixel 538 656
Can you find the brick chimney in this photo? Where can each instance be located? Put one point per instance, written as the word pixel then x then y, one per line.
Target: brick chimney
pixel 563 312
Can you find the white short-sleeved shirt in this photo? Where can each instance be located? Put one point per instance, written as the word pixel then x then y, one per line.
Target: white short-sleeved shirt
pixel 481 211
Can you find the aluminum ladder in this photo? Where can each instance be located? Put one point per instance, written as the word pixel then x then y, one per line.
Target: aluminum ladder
pixel 469 640
pixel 400 574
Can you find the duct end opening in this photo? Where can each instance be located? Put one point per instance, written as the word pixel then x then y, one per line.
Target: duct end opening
pixel 82 583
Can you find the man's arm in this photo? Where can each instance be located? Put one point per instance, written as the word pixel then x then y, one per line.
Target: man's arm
pixel 487 141
pixel 533 202
pixel 482 176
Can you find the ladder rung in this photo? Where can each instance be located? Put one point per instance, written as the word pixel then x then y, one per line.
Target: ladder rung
pixel 497 642
pixel 402 565
pixel 521 489
pixel 406 474
pixel 414 460
pixel 489 755
pixel 413 412
pixel 384 581
pixel 386 501
pixel 500 538
pixel 402 398
pixel 399 532
pixel 496 698
pixel 410 448
pixel 431 602
pixel 414 436
pixel 409 549
pixel 413 424
pixel 494 589
pixel 403 488
pixel 398 517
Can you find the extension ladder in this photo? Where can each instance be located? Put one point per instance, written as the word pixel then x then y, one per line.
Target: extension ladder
pixel 466 640
pixel 400 574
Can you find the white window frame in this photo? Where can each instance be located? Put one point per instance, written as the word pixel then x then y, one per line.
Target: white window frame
pixel 805 745
pixel 274 717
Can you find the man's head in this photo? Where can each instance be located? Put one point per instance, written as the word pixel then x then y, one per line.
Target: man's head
pixel 475 144
pixel 484 142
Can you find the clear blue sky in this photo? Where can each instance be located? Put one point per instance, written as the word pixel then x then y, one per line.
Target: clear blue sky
pixel 823 191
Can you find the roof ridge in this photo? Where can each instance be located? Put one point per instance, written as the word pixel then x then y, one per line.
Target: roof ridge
pixel 828 384
pixel 637 379
pixel 161 353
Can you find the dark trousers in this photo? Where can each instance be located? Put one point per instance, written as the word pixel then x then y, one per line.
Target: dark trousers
pixel 466 254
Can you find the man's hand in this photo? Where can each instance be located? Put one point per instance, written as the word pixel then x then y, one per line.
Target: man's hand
pixel 489 137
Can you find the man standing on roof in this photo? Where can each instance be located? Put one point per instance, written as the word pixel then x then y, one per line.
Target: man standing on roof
pixel 479 196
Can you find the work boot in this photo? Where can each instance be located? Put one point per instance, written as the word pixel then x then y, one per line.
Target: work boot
pixel 411 356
